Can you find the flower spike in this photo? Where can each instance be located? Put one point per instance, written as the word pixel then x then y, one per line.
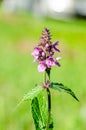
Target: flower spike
pixel 43 53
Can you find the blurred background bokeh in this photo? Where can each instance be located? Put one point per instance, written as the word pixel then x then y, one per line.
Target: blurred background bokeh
pixel 21 24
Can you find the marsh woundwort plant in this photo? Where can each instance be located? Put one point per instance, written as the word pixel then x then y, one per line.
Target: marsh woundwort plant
pixel 44 54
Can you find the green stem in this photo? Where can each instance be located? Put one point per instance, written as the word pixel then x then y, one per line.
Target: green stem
pixel 49 108
pixel 48 101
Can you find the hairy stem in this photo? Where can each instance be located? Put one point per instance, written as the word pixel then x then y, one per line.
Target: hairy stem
pixel 49 108
pixel 48 101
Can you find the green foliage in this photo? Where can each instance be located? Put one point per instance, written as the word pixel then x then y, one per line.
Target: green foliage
pixel 34 92
pixel 61 87
pixel 40 112
pixel 37 114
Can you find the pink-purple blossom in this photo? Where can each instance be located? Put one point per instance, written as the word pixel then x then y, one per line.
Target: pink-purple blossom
pixel 50 62
pixel 42 67
pixel 36 51
pixel 43 53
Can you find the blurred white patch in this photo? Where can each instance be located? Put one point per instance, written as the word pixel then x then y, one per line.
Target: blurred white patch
pixel 59 5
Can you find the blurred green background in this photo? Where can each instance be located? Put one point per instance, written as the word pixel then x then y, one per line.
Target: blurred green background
pixel 19 33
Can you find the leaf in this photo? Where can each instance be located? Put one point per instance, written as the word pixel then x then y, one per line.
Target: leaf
pixel 37 114
pixel 44 110
pixel 61 87
pixel 34 92
pixel 40 112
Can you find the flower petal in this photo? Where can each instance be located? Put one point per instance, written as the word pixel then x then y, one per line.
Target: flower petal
pixel 41 67
pixel 58 58
pixel 57 63
pixel 50 62
pixel 54 46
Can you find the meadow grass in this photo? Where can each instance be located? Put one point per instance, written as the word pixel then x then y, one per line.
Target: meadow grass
pixel 18 34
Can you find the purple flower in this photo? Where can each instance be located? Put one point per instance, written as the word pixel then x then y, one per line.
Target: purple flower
pixel 54 46
pixel 36 51
pixel 43 53
pixel 50 62
pixel 41 66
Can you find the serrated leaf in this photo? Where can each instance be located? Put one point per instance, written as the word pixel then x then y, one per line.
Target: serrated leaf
pixel 44 110
pixel 40 112
pixel 61 87
pixel 37 114
pixel 34 92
